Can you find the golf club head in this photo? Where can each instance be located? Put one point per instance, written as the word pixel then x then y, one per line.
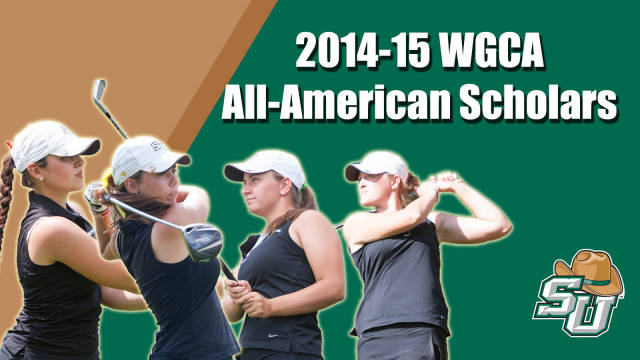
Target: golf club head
pixel 98 90
pixel 204 241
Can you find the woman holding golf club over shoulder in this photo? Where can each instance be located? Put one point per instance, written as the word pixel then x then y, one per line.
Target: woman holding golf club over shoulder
pixel 290 271
pixel 403 314
pixel 180 292
pixel 59 263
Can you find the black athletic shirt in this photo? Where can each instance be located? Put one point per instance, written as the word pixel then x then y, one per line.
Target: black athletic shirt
pixel 59 319
pixel 182 298
pixel 278 266
pixel 401 276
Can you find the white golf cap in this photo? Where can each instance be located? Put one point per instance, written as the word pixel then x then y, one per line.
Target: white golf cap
pixel 378 162
pixel 47 137
pixel 143 153
pixel 281 162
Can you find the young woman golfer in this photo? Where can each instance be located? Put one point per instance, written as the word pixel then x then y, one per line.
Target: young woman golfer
pixel 59 264
pixel 180 293
pixel 291 270
pixel 403 314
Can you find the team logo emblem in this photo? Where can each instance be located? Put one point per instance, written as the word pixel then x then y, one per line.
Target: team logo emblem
pixel 158 146
pixel 583 295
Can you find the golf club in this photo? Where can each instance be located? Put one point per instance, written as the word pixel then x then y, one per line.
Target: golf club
pixel 98 91
pixel 203 241
pixel 227 272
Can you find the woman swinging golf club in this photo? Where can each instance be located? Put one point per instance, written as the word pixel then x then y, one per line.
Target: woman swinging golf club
pixel 403 314
pixel 290 271
pixel 180 292
pixel 59 265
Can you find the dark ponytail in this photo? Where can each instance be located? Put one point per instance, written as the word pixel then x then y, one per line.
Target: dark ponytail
pixel 151 206
pixel 303 200
pixel 5 192
pixel 407 193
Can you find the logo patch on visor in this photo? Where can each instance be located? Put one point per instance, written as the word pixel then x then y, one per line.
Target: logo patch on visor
pixel 158 146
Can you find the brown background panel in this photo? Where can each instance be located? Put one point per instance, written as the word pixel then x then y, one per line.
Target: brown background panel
pixel 165 64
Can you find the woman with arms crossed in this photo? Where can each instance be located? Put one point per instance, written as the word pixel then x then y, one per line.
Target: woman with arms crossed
pixel 290 271
pixel 180 292
pixel 403 314
pixel 59 265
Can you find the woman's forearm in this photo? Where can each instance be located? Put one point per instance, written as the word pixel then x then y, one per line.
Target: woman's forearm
pixel 122 300
pixel 232 312
pixel 363 227
pixel 479 205
pixel 103 229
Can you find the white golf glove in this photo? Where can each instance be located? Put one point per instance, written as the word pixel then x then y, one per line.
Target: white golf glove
pixel 90 196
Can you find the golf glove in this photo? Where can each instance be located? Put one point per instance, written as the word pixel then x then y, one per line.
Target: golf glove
pixel 89 195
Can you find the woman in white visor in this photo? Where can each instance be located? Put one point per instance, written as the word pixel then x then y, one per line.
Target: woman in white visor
pixel 180 292
pixel 291 270
pixel 59 264
pixel 396 248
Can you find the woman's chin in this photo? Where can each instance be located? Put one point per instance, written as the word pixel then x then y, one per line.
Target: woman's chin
pixel 77 185
pixel 365 202
pixel 254 210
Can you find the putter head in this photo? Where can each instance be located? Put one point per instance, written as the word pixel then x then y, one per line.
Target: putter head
pixel 98 90
pixel 204 241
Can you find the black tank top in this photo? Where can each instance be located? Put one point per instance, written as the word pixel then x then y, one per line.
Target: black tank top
pixel 191 324
pixel 278 266
pixel 59 319
pixel 401 276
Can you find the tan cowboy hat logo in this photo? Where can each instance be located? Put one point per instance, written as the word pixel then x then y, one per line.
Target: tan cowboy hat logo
pixel 601 277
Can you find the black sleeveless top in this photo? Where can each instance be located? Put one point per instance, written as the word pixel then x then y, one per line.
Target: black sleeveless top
pixel 401 276
pixel 182 298
pixel 278 266
pixel 59 319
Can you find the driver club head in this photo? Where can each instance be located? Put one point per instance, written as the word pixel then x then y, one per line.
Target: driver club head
pixel 204 241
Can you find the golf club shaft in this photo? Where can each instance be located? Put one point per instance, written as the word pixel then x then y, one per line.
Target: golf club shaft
pixel 136 211
pixel 113 121
pixel 226 271
pixel 115 124
pixel 97 99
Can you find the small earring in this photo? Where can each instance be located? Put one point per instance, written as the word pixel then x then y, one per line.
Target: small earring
pixel 281 193
pixel 41 178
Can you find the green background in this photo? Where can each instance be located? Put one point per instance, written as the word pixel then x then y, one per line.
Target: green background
pixel 565 187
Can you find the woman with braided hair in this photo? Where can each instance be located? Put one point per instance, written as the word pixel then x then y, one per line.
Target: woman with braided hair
pixel 59 263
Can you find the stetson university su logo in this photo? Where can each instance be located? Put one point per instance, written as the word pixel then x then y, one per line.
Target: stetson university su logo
pixel 583 295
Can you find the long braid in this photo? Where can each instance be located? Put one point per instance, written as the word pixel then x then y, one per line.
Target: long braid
pixel 5 192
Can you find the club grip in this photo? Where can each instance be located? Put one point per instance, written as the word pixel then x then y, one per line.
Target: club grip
pixel 226 271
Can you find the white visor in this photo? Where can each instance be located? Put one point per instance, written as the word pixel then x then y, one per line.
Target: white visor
pixel 143 153
pixel 378 162
pixel 44 138
pixel 281 162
